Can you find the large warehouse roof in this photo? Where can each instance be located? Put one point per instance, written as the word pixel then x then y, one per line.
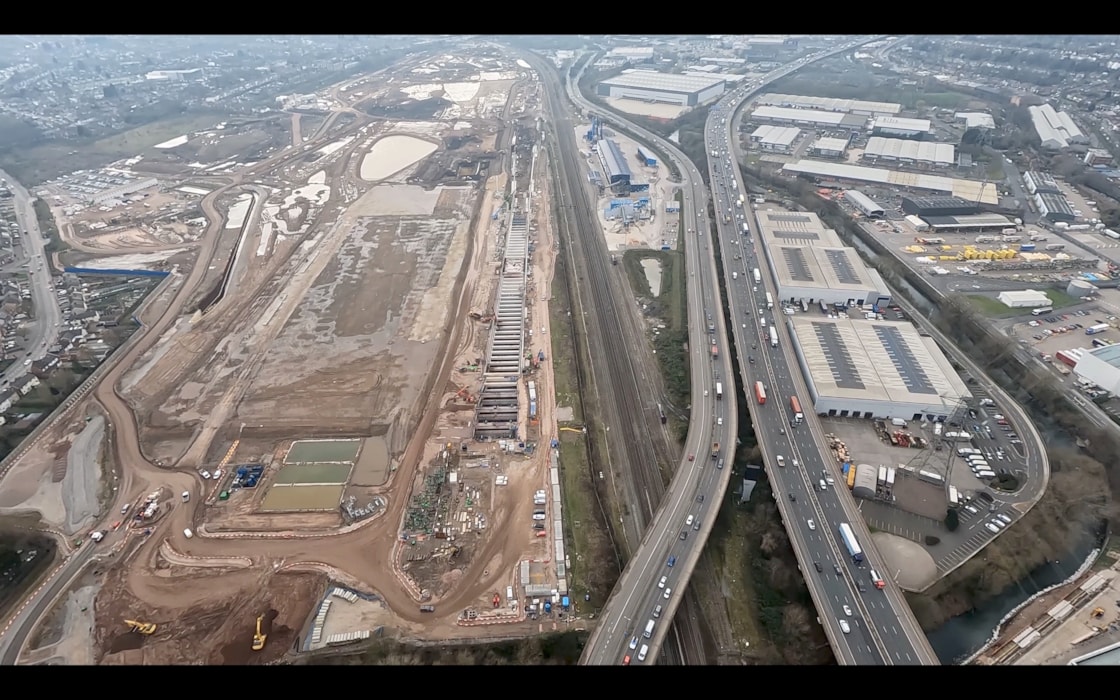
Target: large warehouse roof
pixel 1055 129
pixel 903 149
pixel 776 135
pixel 797 229
pixel 827 143
pixel 1055 204
pixel 865 203
pixel 969 221
pixel 921 126
pixel 663 82
pixel 926 204
pixel 976 120
pixel 1041 182
pixel 807 116
pixel 984 192
pixel 886 361
pixel 829 104
pixel 820 268
pixel 613 159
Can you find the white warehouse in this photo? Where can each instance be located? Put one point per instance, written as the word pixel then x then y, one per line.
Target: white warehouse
pixel 683 90
pixel 770 137
pixel 1101 366
pixel 909 151
pixel 833 275
pixel 1024 299
pixel 874 369
pixel 864 204
pixel 1055 129
pixel 827 147
pixel 900 126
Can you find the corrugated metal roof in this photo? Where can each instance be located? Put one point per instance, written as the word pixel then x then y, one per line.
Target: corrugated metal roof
pixel 830 104
pixel 904 149
pixel 826 143
pixel 968 190
pixel 776 135
pixel 902 124
pixel 862 201
pixel 804 116
pixel 666 82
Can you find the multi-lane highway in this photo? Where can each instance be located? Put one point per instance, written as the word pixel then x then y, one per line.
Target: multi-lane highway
pixel 865 625
pixel 45 311
pixel 703 473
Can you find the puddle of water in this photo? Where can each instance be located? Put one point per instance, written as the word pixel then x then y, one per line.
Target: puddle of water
pixel 652 268
pixel 393 154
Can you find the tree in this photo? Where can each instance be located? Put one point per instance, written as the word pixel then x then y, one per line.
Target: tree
pixel 952 520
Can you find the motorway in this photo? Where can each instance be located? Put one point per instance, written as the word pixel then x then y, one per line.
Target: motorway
pixel 48 317
pixel 865 625
pixel 699 481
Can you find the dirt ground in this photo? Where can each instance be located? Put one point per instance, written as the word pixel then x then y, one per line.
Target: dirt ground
pixel 216 630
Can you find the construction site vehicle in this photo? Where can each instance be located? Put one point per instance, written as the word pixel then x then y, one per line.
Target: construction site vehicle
pixel 614 260
pixel 427 608
pixel 259 638
pixel 465 395
pixel 140 627
pixel 715 450
pixel 186 496
pixel 1098 612
pixel 497 600
pixel 187 533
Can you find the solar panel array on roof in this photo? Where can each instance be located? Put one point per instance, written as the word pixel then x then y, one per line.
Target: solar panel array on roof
pixel 842 267
pixel 907 366
pixel 789 217
pixel 797 265
pixel 840 363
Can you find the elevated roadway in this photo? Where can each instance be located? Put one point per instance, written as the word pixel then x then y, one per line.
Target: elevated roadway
pixel 864 625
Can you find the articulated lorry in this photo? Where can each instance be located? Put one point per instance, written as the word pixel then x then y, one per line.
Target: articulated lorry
pixel 851 543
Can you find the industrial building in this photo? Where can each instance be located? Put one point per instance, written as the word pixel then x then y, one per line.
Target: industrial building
pixel 831 104
pixel 1101 366
pixel 827 147
pixel 1054 207
pixel 976 120
pixel 874 369
pixel 646 157
pixel 1041 183
pixel 900 127
pixel 1024 299
pixel 1097 156
pixel 809 117
pixel 614 164
pixel 909 151
pixel 972 223
pixel 1055 129
pixel 938 206
pixel 770 137
pixel 1079 288
pixel 983 192
pixel 833 275
pixel 805 229
pixel 916 222
pixel 867 478
pixel 864 204
pixel 684 90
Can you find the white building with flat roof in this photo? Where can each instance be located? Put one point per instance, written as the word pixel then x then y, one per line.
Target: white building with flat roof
pixel 968 190
pixel 828 147
pixel 771 137
pixel 809 117
pixel 874 369
pixel 909 151
pixel 900 126
pixel 1055 129
pixel 684 90
pixel 831 104
pixel 1101 366
pixel 1024 299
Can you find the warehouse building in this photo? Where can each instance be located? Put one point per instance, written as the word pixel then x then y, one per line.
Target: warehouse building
pixel 864 204
pixel 832 104
pixel 647 158
pixel 805 229
pixel 809 117
pixel 614 165
pixel 867 478
pixel 976 120
pixel 1101 366
pixel 770 137
pixel 982 192
pixel 1055 129
pixel 1024 299
pixel 1037 183
pixel 826 147
pixel 900 127
pixel 831 275
pixel 909 151
pixel 969 223
pixel 683 90
pixel 874 369
pixel 938 206
pixel 1054 207
pixel 1097 156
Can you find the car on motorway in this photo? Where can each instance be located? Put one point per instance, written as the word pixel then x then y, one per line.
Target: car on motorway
pixel 818 567
pixel 781 460
pixel 689 519
pixel 837 569
pixel 691 458
pixel 657 610
pixel 847 611
pixel 700 498
pixel 626 660
pixel 844 627
pixel 796 463
pixel 668 592
pixel 684 534
pixel 634 642
pixel 661 583
pixel 696 525
pixel 642 652
pixel 812 525
pixel 719 421
pixel 672 560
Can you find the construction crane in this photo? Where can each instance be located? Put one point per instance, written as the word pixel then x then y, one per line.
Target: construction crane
pixel 259 637
pixel 141 627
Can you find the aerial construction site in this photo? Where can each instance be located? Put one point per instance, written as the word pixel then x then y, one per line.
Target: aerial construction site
pixel 337 417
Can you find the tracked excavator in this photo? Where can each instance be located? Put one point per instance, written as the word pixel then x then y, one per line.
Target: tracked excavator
pixel 259 637
pixel 140 627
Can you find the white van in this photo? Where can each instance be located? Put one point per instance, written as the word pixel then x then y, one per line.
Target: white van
pixel 986 474
pixel 649 629
pixel 187 533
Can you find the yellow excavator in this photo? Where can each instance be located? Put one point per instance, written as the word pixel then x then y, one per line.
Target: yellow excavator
pixel 259 637
pixel 140 627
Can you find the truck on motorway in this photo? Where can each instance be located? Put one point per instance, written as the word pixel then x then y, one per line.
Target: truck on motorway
pixel 773 337
pixel 746 230
pixel 851 542
pixel 715 351
pixel 760 393
pixel 757 276
pixel 715 450
pixel 769 300
pixel 1098 328
pixel 795 406
pixel 719 390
